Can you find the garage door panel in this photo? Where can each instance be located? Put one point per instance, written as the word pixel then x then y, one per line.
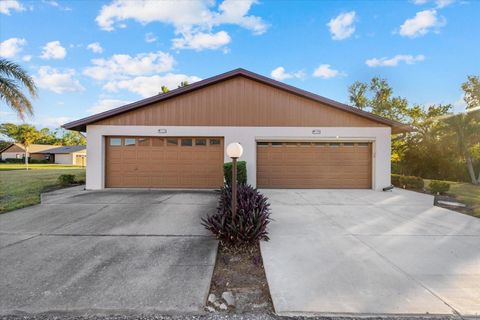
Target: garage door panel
pixel 313 165
pixel 152 163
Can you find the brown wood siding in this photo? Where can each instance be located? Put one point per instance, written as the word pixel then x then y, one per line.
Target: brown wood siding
pixel 153 163
pixel 240 102
pixel 314 165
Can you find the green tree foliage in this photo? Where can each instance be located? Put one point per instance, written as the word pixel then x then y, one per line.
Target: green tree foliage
pixel 23 134
pixel 471 89
pixel 13 79
pixel 44 136
pixel 164 89
pixel 183 84
pixel 443 145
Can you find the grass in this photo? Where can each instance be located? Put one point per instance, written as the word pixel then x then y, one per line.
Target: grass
pixel 21 188
pixel 465 192
pixel 36 166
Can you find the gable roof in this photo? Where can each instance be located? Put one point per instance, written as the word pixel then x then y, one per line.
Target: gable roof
pixel 65 149
pixel 81 124
pixel 46 148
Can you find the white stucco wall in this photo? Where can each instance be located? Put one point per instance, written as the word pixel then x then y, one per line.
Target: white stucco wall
pixel 247 136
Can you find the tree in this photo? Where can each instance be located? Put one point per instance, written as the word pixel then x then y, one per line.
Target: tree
pixel 471 89
pixel 164 89
pixel 46 136
pixel 377 97
pixel 463 130
pixel 13 79
pixel 23 134
pixel 183 84
pixel 72 138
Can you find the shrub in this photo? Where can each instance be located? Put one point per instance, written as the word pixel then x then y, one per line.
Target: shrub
pixel 439 187
pixel 22 160
pixel 241 172
pixel 411 182
pixel 251 220
pixel 66 179
pixel 396 180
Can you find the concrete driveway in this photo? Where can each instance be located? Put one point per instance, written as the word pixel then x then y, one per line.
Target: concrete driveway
pixel 360 251
pixel 132 251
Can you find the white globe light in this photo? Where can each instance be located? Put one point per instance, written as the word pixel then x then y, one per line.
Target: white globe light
pixel 234 150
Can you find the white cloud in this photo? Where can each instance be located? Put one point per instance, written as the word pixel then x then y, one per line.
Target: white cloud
pixel 53 50
pixel 150 37
pixel 149 86
pixel 95 47
pixel 342 26
pixel 59 82
pixel 393 62
pixel 11 47
pixel 106 104
pixel 192 20
pixel 200 41
pixel 120 66
pixel 7 5
pixel 325 71
pixel 439 3
pixel 55 4
pixel 280 74
pixel 421 24
pixel 27 58
pixel 52 122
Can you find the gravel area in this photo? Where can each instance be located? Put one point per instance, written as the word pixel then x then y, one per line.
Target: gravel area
pixel 218 316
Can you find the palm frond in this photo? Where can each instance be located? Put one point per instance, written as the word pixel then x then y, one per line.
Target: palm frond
pixel 12 70
pixel 12 95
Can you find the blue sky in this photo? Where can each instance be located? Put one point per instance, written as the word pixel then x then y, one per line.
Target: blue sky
pixel 88 56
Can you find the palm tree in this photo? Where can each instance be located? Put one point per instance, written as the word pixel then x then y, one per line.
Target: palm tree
pixel 12 79
pixel 464 131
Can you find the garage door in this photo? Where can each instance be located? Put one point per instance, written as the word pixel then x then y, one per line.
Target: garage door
pixel 314 165
pixel 173 162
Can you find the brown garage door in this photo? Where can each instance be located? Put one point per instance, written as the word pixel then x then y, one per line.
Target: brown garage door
pixel 153 162
pixel 314 165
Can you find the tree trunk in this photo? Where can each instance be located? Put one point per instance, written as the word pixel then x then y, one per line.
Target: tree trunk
pixel 26 157
pixel 470 170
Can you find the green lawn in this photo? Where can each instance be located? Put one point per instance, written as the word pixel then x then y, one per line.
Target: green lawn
pixel 465 192
pixel 41 166
pixel 21 188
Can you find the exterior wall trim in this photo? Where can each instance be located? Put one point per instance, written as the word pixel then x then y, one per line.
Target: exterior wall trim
pixel 248 137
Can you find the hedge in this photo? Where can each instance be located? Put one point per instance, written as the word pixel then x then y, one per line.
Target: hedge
pixel 22 160
pixel 241 172
pixel 438 187
pixel 407 182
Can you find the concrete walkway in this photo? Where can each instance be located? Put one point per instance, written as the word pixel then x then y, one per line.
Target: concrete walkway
pixel 116 251
pixel 360 251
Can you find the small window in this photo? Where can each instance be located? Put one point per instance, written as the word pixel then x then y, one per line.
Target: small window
pixel 348 144
pixel 187 142
pixel 214 142
pixel 363 144
pixel 130 141
pixel 172 142
pixel 334 144
pixel 115 142
pixel 291 144
pixel 200 142
pixel 305 144
pixel 143 142
pixel 277 144
pixel 158 142
pixel 262 144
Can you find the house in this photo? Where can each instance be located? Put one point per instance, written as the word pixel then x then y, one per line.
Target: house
pixel 70 155
pixel 291 138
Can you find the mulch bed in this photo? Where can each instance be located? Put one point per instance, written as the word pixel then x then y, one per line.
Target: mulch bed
pixel 241 272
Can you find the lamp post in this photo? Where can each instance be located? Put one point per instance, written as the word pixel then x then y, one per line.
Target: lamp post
pixel 234 151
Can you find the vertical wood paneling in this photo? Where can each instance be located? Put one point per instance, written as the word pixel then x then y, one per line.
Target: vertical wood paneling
pixel 240 102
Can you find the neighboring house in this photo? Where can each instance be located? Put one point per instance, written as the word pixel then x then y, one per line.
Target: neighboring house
pixel 291 138
pixel 71 155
